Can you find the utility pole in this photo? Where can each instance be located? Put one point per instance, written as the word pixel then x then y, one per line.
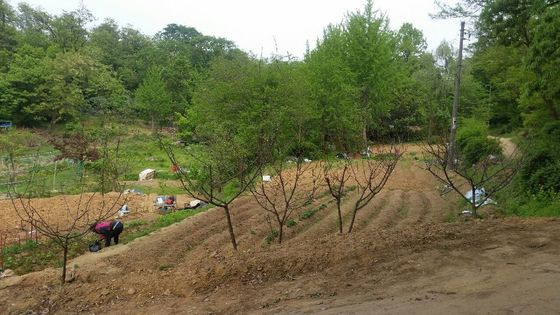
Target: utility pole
pixel 451 157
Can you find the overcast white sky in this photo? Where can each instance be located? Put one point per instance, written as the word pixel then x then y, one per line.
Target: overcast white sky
pixel 254 25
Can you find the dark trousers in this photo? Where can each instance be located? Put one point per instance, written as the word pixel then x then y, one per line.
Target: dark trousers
pixel 114 234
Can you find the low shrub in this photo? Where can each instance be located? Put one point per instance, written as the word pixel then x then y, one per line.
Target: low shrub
pixel 541 204
pixel 291 223
pixel 474 144
pixel 271 236
pixel 541 171
pixel 309 213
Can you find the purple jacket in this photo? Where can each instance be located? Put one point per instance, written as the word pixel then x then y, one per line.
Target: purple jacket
pixel 104 228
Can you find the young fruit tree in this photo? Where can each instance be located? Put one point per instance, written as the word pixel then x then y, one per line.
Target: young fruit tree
pixel 217 175
pixel 69 225
pixel 481 167
pixel 369 176
pixel 288 190
pixel 337 177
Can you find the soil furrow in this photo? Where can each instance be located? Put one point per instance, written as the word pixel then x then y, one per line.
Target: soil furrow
pixel 372 210
pixel 413 209
pixel 389 214
pixel 329 222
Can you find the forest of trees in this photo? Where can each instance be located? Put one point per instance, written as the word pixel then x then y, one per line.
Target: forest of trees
pixel 362 82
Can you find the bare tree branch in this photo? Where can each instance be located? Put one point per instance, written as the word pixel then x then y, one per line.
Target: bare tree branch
pixel 491 174
pixel 287 191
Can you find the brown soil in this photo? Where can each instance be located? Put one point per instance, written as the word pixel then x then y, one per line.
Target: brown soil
pixel 55 210
pixel 402 259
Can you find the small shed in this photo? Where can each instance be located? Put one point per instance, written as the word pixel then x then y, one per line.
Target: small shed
pixel 147 174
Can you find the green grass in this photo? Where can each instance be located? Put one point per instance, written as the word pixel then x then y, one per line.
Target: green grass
pixel 19 248
pixel 142 152
pixel 137 152
pixel 139 230
pixel 31 256
pixel 271 236
pixel 406 162
pixel 135 223
pixel 542 204
pixel 164 267
pixel 309 213
pixel 450 217
pixel 45 181
pixel 161 189
pixel 402 211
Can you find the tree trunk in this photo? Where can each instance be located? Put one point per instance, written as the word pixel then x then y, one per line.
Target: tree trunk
pixel 474 211
pixel 473 203
pixel 339 215
pixel 230 227
pixel 280 232
pixel 365 102
pixel 364 134
pixel 430 124
pixel 64 261
pixel 353 219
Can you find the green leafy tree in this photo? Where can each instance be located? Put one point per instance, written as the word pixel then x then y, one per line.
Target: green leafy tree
pixel 20 85
pixel 411 43
pixel 8 33
pixel 433 92
pixel 33 26
pixel 498 69
pixel 106 38
pixel 77 84
pixel 370 57
pixel 355 71
pixel 544 60
pixel 153 99
pixel 408 99
pixel 125 50
pixel 333 92
pixel 475 171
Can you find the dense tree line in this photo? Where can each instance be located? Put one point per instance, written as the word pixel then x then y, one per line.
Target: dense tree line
pixel 516 60
pixel 54 69
pixel 362 82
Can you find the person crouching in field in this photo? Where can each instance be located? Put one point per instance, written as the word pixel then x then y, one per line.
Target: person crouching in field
pixel 108 230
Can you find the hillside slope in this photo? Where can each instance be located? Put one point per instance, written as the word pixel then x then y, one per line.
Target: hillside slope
pixel 402 259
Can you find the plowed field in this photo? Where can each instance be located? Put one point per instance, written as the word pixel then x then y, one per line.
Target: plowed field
pixel 401 258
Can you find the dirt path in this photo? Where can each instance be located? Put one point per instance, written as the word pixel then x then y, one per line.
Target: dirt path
pixel 508 147
pixel 515 270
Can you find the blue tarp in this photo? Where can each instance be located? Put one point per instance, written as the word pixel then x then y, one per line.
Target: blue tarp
pixel 479 195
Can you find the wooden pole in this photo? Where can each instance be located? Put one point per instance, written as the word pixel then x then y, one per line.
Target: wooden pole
pixel 451 156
